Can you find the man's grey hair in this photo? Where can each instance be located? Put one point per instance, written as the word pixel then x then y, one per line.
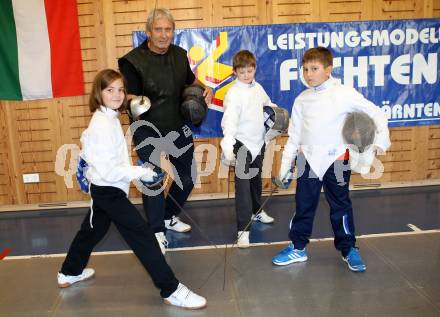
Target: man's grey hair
pixel 156 13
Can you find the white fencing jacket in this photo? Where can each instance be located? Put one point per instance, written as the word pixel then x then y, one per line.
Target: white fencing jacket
pixel 316 123
pixel 105 150
pixel 243 117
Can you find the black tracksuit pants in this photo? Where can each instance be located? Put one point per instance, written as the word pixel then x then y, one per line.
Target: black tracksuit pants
pixel 180 149
pixel 110 204
pixel 247 189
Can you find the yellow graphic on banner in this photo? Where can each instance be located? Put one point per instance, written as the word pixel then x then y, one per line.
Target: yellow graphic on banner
pixel 211 72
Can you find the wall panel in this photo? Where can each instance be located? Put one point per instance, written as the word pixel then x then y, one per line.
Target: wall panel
pixel 345 10
pixel 401 9
pixel 433 170
pixel 436 9
pixel 239 12
pixel 6 188
pixel 294 11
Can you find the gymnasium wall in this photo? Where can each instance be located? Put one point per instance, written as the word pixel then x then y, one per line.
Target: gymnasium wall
pixel 32 132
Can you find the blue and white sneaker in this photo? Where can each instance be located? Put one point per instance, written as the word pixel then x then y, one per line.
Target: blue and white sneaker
pixel 354 261
pixel 289 255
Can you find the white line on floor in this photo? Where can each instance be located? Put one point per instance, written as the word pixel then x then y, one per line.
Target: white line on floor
pixel 416 231
pixel 413 227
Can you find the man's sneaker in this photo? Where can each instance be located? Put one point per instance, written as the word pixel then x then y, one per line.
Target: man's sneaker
pixel 162 240
pixel 67 280
pixel 183 297
pixel 243 239
pixel 354 261
pixel 263 217
pixel 289 255
pixel 176 224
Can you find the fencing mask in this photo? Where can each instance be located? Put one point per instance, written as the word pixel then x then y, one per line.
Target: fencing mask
pixel 276 121
pixel 194 107
pixel 359 132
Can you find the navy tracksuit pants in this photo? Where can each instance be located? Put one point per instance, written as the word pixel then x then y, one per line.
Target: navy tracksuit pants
pixel 337 194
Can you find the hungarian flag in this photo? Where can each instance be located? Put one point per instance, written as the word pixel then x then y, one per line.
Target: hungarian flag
pixel 40 53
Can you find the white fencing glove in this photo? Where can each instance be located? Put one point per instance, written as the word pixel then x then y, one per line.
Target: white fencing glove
pixel 285 175
pixel 228 157
pixel 151 179
pixel 81 172
pixel 362 162
pixel 149 176
pixel 285 168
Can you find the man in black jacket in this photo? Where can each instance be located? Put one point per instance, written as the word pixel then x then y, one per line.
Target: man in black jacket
pixel 160 70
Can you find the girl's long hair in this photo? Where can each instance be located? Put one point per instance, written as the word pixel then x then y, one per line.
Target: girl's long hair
pixel 102 80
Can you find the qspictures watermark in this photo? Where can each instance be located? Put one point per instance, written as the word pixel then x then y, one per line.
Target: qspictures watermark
pixel 67 157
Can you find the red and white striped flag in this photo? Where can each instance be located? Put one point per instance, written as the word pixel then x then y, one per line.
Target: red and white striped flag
pixel 40 53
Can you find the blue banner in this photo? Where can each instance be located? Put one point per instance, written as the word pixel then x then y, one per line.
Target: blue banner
pixel 392 63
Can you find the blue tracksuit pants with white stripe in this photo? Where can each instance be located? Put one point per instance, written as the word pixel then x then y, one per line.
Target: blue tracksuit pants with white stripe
pixel 337 194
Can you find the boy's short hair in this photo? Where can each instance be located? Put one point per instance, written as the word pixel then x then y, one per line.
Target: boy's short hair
pixel 319 54
pixel 243 58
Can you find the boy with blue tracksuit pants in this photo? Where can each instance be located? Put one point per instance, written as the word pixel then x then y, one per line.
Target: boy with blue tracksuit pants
pixel 316 144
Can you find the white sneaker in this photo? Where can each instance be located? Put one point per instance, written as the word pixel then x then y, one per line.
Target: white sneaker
pixel 243 239
pixel 183 297
pixel 263 217
pixel 67 280
pixel 162 240
pixel 176 224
